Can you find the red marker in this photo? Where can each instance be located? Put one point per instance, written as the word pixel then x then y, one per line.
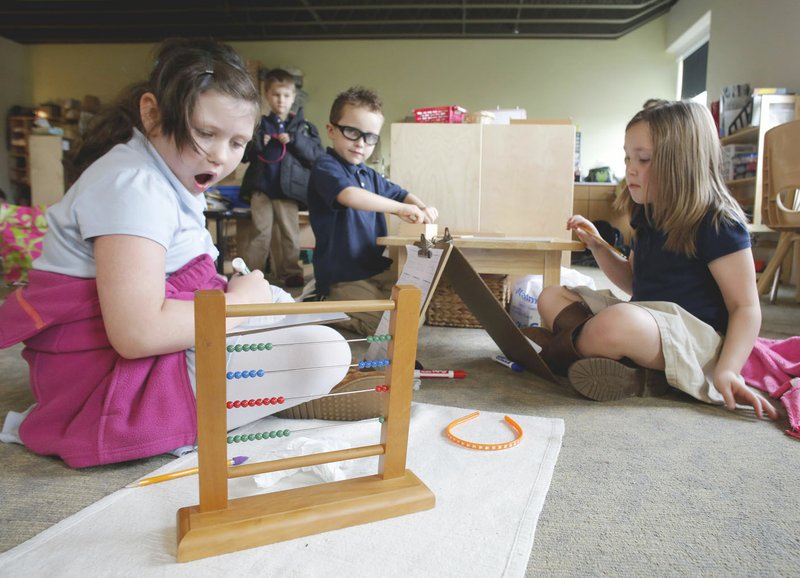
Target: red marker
pixel 446 373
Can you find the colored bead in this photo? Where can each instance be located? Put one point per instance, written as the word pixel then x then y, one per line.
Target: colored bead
pixel 252 373
pixel 286 433
pixel 261 347
pixel 230 439
pixel 229 375
pixel 229 405
pixel 230 348
pixel 281 400
pixel 237 403
pixel 381 419
pixel 272 434
pixel 237 347
pixel 268 346
pixel 259 401
pixel 260 373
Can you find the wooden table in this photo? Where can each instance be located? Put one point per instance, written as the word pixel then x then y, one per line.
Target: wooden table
pixel 501 255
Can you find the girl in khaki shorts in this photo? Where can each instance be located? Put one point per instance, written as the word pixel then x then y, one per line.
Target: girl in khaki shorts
pixel 694 312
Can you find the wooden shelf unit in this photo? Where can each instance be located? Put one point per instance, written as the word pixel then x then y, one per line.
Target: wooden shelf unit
pixel 774 110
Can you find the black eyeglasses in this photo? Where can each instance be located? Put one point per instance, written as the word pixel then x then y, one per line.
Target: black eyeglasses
pixel 353 134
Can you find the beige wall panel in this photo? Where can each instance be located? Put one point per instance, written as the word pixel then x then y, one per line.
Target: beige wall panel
pixel 440 163
pixel 527 178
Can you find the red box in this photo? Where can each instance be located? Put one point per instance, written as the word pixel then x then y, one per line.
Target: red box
pixel 449 114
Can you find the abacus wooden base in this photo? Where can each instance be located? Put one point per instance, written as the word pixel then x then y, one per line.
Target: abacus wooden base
pixel 268 518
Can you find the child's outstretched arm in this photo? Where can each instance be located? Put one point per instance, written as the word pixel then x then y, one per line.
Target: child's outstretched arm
pixel 735 276
pixel 363 200
pixel 139 320
pixel 618 269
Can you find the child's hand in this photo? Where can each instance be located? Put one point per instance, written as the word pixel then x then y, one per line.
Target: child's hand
pixel 585 231
pixel 411 213
pixel 431 214
pixel 266 139
pixel 734 390
pixel 283 138
pixel 250 288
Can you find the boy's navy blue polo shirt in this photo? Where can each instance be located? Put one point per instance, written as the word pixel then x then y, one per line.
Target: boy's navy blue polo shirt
pixel 345 248
pixel 661 275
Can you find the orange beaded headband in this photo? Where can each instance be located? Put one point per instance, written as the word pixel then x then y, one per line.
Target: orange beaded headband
pixel 484 447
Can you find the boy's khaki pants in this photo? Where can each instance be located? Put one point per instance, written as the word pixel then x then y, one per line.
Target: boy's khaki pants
pixel 376 287
pixel 272 218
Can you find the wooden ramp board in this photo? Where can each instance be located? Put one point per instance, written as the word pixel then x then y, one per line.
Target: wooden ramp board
pixel 495 320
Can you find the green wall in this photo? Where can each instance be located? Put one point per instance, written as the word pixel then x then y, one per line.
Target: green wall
pixel 598 83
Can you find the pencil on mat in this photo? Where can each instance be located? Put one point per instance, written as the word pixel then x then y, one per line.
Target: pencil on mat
pixel 180 474
pixel 586 229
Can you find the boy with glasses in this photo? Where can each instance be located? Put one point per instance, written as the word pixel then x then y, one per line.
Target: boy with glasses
pixel 347 201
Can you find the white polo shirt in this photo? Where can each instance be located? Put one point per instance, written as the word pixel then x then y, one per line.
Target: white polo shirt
pixel 128 191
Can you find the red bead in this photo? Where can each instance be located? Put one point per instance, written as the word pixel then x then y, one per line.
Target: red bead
pixel 281 399
pixel 259 401
pixel 237 403
pixel 251 403
pixel 229 404
pixel 273 400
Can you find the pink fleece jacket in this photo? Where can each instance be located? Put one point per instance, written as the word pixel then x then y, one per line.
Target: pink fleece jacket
pixel 774 367
pixel 92 406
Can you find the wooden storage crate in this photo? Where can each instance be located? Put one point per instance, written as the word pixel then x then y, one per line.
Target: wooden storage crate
pixel 448 310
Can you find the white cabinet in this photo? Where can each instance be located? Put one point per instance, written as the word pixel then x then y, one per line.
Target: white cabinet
pixel 512 179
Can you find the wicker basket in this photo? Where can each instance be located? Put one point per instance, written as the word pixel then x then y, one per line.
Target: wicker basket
pixel 447 309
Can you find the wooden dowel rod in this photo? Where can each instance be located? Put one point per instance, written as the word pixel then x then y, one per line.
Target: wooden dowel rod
pixel 304 461
pixel 254 309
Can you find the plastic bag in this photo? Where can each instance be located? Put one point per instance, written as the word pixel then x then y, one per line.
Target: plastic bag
pixel 523 307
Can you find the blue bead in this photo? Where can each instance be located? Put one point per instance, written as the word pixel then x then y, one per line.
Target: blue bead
pixel 229 375
pixel 260 373
pixel 237 374
pixel 253 373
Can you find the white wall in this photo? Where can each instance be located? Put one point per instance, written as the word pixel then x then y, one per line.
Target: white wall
pixel 752 41
pixel 15 80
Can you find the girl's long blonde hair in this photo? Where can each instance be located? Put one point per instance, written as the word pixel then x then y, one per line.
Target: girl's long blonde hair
pixel 685 174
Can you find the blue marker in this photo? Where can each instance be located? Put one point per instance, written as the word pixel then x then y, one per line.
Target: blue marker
pixel 513 365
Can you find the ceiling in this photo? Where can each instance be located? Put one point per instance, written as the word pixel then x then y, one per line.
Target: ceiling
pixel 105 21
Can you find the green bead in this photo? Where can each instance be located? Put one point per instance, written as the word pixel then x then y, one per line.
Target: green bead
pixel 286 433
pixel 272 434
pixel 268 346
pixel 261 347
pixel 258 436
pixel 230 348
pixel 279 433
pixel 381 419
pixel 251 437
pixel 237 348
pixel 230 439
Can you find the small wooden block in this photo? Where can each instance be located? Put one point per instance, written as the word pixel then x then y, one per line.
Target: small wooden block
pixel 430 230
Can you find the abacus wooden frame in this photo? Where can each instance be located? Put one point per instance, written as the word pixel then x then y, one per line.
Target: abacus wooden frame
pixel 218 525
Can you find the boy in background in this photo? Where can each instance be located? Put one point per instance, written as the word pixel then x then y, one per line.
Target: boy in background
pixel 281 154
pixel 347 201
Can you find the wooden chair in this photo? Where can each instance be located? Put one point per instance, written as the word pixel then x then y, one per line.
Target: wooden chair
pixel 780 207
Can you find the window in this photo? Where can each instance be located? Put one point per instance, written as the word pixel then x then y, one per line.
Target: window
pixel 693 75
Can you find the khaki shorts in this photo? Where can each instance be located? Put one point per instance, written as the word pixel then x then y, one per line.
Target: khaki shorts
pixel 691 347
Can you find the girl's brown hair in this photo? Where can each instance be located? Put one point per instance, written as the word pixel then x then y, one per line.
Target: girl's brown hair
pixel 183 70
pixel 684 174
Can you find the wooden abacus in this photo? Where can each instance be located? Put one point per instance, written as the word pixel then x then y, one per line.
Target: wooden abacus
pixel 218 525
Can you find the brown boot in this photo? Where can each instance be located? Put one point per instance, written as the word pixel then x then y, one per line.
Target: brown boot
pixel 604 379
pixel 558 346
